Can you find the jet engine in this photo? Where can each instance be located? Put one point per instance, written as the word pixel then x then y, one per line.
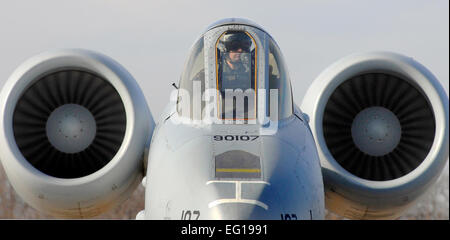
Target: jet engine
pixel 380 121
pixel 74 127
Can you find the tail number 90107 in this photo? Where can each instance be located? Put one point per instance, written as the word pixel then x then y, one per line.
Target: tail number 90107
pixel 243 138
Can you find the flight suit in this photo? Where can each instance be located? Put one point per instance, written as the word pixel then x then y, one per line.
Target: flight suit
pixel 233 79
pixel 237 78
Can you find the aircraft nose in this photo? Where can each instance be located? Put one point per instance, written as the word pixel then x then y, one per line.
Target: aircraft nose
pixel 241 200
pixel 237 211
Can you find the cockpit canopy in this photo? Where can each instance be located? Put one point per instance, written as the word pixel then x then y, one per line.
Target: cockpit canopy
pixel 241 68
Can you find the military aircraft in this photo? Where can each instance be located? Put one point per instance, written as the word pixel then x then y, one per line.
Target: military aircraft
pixel 370 137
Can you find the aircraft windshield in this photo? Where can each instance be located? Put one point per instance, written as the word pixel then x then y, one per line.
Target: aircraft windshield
pixel 279 80
pixel 189 99
pixel 235 79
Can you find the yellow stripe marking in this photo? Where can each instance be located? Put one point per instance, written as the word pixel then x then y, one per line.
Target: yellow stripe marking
pixel 242 170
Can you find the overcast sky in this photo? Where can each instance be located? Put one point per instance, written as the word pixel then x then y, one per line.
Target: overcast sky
pixel 152 38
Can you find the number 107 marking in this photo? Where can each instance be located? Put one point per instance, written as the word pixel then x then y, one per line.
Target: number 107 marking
pixel 190 215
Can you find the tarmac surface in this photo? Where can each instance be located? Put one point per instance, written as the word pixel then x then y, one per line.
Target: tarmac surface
pixel 434 204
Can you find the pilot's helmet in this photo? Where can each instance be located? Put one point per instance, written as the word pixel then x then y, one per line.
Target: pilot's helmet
pixel 232 41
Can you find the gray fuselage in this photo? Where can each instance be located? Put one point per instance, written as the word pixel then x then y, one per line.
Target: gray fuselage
pixel 232 171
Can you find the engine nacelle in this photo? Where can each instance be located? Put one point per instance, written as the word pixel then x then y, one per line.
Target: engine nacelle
pixel 380 121
pixel 74 129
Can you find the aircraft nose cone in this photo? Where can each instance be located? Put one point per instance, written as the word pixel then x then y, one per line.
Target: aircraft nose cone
pixel 241 200
pixel 237 211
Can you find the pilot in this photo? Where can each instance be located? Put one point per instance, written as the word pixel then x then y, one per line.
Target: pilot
pixel 235 64
pixel 235 71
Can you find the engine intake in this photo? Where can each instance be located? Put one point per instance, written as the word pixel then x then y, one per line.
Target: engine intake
pixel 74 128
pixel 378 126
pixel 380 121
pixel 69 123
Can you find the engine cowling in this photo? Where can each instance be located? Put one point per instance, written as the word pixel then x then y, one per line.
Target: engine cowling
pixel 380 121
pixel 74 129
